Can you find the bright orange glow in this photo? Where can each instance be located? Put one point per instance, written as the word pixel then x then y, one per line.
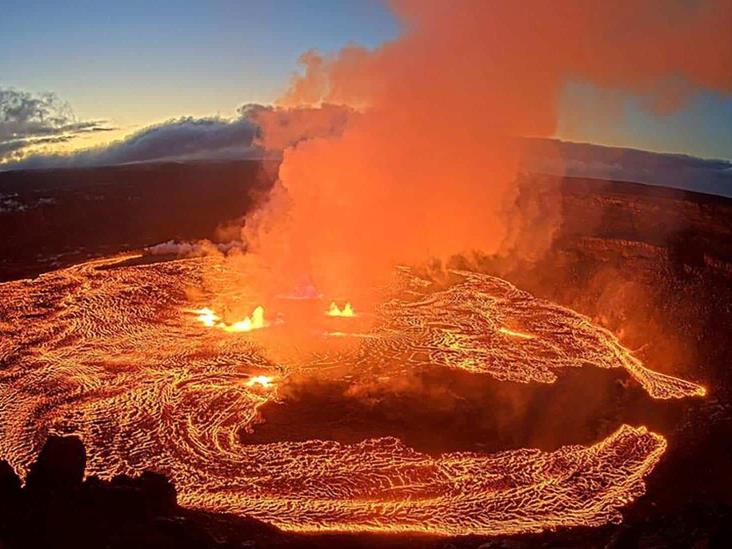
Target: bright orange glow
pixel 347 310
pixel 206 317
pixel 210 319
pixel 265 382
pixel 253 322
pixel 514 333
pixel 436 197
pixel 348 334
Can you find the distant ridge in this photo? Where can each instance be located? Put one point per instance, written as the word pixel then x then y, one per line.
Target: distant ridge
pixel 678 171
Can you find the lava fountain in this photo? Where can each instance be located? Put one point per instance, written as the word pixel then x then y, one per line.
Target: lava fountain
pixel 210 319
pixel 346 311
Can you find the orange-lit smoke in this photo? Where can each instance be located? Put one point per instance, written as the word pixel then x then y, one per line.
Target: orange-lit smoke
pixel 427 166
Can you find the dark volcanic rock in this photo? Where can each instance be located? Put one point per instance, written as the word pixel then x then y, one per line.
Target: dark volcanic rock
pixel 159 492
pixel 9 481
pixel 67 215
pixel 57 508
pixel 60 466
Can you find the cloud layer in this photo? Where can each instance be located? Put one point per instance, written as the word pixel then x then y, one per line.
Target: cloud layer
pixel 30 120
pixel 188 138
pixel 181 139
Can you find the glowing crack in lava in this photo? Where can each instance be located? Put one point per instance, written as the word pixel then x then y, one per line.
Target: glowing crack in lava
pixel 513 333
pixel 109 352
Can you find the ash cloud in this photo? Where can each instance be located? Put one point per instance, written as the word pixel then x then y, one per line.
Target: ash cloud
pixel 30 120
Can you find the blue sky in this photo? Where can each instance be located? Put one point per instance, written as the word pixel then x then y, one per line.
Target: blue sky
pixel 703 127
pixel 136 63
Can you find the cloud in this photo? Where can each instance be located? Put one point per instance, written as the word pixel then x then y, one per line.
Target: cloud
pixel 181 139
pixel 29 120
pixel 212 138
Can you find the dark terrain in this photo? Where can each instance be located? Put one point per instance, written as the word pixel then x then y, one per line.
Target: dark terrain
pixel 653 265
pixel 54 218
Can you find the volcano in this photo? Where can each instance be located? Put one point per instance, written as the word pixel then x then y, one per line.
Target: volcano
pixel 544 411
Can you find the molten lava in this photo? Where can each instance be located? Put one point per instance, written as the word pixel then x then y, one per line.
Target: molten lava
pixel 265 382
pixel 210 319
pixel 347 310
pixel 206 316
pixel 108 352
pixel 514 333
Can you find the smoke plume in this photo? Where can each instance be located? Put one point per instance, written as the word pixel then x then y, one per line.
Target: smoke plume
pixel 426 165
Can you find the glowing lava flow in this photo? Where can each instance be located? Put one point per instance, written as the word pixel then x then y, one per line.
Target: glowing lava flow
pixel 266 382
pixel 464 326
pixel 107 351
pixel 514 333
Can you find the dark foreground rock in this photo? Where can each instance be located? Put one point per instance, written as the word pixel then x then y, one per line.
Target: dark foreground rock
pixel 58 508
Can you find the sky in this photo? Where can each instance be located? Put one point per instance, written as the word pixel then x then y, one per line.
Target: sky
pixel 132 64
pixel 135 62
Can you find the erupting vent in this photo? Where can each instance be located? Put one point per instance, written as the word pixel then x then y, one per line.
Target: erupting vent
pixel 113 353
